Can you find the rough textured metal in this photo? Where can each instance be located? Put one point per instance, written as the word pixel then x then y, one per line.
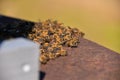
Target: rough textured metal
pixel 89 61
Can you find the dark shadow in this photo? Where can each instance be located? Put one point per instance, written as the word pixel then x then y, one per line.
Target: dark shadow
pixel 41 75
pixel 12 27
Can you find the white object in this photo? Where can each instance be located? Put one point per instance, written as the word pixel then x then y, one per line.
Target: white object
pixel 19 60
pixel 26 68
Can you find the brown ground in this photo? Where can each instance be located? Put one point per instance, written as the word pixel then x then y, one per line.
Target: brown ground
pixel 89 61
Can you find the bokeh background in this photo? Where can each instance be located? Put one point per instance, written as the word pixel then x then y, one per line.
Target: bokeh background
pixel 98 19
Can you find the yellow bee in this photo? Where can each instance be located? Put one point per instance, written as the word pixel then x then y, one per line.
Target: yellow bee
pixel 43 59
pixel 35 39
pixel 62 52
pixel 75 30
pixel 50 49
pixel 46 44
pixel 51 55
pixel 54 45
pixel 57 54
pixel 81 34
pixel 73 43
pixel 53 36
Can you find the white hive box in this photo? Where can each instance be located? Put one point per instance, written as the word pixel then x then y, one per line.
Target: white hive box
pixel 19 60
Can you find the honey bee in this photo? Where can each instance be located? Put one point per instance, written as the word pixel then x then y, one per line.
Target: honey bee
pixel 50 49
pixel 51 56
pixel 46 44
pixel 63 52
pixel 54 45
pixel 53 36
pixel 73 43
pixel 75 30
pixel 44 33
pixel 35 39
pixel 42 50
pixel 43 59
pixel 67 37
pixel 57 54
pixel 59 31
pixel 30 36
pixel 81 34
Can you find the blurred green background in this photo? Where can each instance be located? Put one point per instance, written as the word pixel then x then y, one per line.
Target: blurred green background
pixel 98 19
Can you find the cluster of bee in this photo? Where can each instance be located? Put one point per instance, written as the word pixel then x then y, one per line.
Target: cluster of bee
pixel 53 37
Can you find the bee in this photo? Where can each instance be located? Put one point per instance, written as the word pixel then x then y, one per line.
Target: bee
pixel 67 37
pixel 73 43
pixel 46 44
pixel 58 40
pixel 50 49
pixel 35 39
pixel 51 30
pixel 54 44
pixel 61 52
pixel 43 59
pixel 60 31
pixel 81 34
pixel 30 36
pixel 75 30
pixel 44 33
pixel 51 55
pixel 53 36
pixel 57 54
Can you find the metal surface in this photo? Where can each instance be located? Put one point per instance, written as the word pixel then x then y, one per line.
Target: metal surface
pixel 89 61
